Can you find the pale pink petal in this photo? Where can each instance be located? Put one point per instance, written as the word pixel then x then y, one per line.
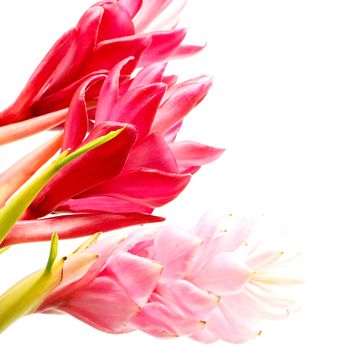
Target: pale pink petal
pixel 223 329
pixel 241 307
pixel 138 276
pixel 184 51
pixel 204 336
pixel 271 298
pixel 269 306
pixel 170 17
pixel 224 275
pixel 191 300
pixel 76 267
pixel 157 320
pixel 102 304
pixel 261 260
pixel 175 250
pixel 149 11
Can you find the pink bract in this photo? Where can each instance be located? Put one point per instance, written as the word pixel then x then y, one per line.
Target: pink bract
pixel 205 284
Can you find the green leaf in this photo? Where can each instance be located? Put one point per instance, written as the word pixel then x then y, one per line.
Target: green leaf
pixel 27 295
pixel 3 250
pixel 15 208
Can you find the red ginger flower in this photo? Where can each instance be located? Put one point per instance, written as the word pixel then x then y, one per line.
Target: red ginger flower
pixel 144 168
pixel 206 284
pixel 106 34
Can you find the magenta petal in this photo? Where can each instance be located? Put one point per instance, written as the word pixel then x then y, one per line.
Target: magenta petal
pixel 18 110
pixel 171 134
pixel 62 98
pixel 191 155
pixel 72 226
pixel 103 304
pixel 160 158
pixel 102 204
pixel 182 99
pixel 115 23
pixel 170 80
pixel 139 107
pixel 149 75
pixel 133 6
pixel 187 50
pixel 71 65
pixel 110 52
pixel 148 187
pixel 77 121
pixel 109 93
pixel 88 170
pixel 162 46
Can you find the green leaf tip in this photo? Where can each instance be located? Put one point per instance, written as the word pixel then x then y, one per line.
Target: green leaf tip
pixel 3 250
pixel 88 147
pixel 53 252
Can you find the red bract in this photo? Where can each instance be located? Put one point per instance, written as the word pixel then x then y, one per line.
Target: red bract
pixel 141 169
pixel 105 35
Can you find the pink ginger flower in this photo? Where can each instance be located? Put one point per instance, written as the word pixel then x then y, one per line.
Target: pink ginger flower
pixel 206 284
pixel 144 167
pixel 106 34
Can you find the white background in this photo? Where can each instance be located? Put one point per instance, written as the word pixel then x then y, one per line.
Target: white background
pixel 280 105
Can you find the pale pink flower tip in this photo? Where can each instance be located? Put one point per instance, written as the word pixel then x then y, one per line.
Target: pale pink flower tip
pixel 207 284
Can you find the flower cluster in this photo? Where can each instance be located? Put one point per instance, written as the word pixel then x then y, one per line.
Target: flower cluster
pixel 108 74
pixel 106 88
pixel 206 283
